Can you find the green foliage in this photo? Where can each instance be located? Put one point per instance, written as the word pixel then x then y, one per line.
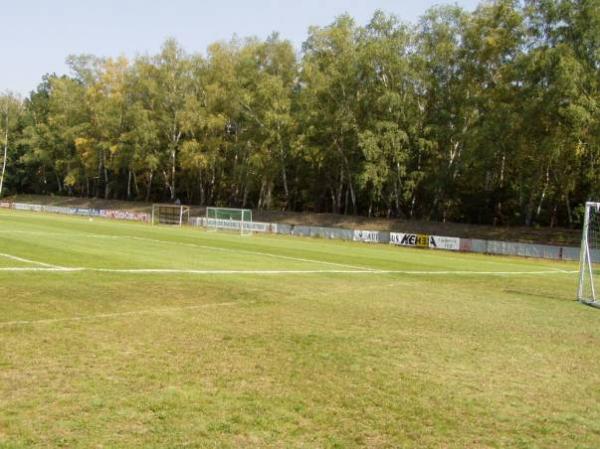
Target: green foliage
pixel 488 117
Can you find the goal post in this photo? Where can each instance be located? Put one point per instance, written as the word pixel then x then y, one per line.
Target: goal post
pixel 588 290
pixel 170 214
pixel 230 219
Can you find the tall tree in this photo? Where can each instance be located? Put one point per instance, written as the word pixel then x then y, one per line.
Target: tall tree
pixel 391 133
pixel 10 111
pixel 329 97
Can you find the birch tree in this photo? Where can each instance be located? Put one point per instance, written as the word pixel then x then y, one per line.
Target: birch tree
pixel 10 110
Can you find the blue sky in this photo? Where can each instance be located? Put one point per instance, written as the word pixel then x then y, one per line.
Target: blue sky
pixel 37 35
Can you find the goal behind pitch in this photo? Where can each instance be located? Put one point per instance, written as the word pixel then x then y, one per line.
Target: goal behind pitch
pixel 170 214
pixel 230 219
pixel 588 291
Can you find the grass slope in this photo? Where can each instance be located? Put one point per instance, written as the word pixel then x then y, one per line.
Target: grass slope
pixel 314 360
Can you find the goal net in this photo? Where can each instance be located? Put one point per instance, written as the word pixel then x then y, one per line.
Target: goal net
pixel 589 258
pixel 170 214
pixel 230 219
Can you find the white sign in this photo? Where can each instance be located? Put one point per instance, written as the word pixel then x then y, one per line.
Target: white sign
pixel 232 225
pixel 366 236
pixel 448 243
pixel 399 238
pixel 425 241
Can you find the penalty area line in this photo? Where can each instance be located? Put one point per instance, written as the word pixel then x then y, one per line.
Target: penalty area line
pixel 275 272
pixel 42 269
pixel 34 262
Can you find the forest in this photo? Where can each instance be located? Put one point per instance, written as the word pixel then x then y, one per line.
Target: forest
pixel 490 116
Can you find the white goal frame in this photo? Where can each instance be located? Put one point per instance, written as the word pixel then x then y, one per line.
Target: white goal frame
pixel 223 218
pixel 178 215
pixel 589 256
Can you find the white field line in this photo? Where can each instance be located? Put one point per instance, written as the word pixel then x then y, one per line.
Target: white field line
pixel 42 269
pixel 260 272
pixel 120 314
pixel 34 262
pixel 278 272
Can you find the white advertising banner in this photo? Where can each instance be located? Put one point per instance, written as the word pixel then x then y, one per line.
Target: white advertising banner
pixel 26 206
pixel 448 243
pixel 425 241
pixel 366 236
pixel 233 225
pixel 402 239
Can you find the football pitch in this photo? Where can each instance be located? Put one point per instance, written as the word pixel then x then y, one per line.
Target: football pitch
pixel 122 335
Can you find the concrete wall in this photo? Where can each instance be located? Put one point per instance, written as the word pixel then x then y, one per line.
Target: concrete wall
pixel 519 249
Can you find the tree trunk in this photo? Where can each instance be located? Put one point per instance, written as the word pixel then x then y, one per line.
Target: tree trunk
pixel 346 165
pixel 149 186
pixel 129 176
pixel 569 213
pixel 201 188
pixel 106 184
pixel 529 210
pixel 396 199
pixel 172 187
pixel 286 192
pixel 333 203
pixel 268 195
pixel 135 185
pixel 97 195
pixel 168 185
pixel 338 197
pixel 211 193
pixel 553 215
pixel 346 202
pixel 5 155
pixel 498 215
pixel 352 195
pixel 245 196
pixel 544 190
pixel 261 194
pixel 58 183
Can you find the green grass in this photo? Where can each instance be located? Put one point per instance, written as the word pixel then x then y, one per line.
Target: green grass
pixel 338 352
